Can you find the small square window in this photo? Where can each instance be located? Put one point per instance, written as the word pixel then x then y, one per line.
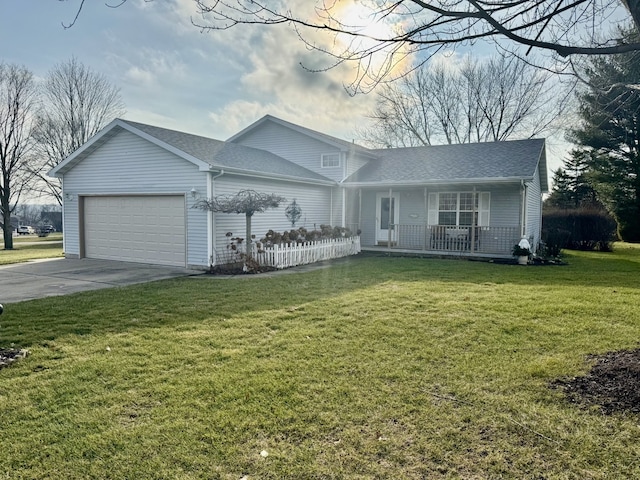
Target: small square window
pixel 330 160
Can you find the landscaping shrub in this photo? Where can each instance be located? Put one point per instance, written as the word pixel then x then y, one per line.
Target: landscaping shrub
pixel 302 235
pixel 578 229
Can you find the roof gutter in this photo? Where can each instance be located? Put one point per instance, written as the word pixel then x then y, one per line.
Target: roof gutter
pixel 451 181
pixel 254 174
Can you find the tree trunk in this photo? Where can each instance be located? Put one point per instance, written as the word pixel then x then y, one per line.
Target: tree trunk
pixel 634 9
pixel 248 232
pixel 7 233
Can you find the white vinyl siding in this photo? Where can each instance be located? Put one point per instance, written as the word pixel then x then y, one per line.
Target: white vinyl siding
pixel 313 200
pixel 506 204
pixel 354 163
pixel 146 229
pixel 293 146
pixel 126 165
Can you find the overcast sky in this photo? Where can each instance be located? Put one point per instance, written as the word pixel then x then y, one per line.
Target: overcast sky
pixel 172 75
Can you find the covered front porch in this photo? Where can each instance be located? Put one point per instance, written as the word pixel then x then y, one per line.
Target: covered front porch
pixel 456 220
pixel 490 242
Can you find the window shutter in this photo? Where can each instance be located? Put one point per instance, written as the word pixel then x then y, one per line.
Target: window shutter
pixel 483 209
pixel 432 217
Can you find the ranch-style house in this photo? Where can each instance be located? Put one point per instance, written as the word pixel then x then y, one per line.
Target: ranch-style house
pixel 128 192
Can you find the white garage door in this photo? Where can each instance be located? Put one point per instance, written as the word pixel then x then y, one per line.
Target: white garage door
pixel 145 229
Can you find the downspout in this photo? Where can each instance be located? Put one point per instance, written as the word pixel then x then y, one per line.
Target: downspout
pixel 331 208
pixel 539 232
pixel 359 210
pixel 389 225
pixel 523 225
pixel 64 229
pixel 211 227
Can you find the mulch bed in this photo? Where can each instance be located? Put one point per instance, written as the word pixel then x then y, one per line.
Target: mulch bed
pixel 10 355
pixel 613 383
pixel 238 269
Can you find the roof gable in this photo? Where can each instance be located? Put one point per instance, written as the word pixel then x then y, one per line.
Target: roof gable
pixel 206 153
pixel 342 145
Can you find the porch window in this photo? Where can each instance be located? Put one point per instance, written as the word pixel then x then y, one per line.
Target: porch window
pixel 330 160
pixel 460 209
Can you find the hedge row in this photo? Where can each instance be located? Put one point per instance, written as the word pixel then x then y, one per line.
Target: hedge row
pixel 578 229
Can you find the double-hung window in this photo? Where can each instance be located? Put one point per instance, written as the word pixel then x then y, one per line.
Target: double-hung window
pixel 459 209
pixel 329 160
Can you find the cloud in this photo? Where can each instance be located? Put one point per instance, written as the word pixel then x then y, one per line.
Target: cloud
pixel 228 79
pixel 139 76
pixel 274 81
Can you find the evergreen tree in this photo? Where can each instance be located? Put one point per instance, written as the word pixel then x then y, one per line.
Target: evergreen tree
pixel 571 184
pixel 609 136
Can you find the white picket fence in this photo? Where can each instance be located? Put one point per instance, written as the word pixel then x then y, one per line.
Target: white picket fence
pixel 291 255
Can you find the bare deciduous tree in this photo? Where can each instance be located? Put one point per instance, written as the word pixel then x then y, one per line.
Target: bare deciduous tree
pixel 418 27
pixel 77 103
pixel 17 107
pixel 499 99
pixel 247 202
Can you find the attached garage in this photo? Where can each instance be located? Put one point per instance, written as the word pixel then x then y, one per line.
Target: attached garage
pixel 131 194
pixel 135 228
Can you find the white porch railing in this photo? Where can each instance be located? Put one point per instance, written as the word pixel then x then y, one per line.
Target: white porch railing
pixel 451 239
pixel 291 255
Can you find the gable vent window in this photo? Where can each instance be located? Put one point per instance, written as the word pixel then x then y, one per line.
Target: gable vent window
pixel 330 160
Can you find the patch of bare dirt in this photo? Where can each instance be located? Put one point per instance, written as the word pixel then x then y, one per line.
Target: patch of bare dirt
pixel 10 355
pixel 613 383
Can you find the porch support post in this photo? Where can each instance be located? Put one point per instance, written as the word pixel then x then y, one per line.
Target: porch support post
pixel 344 207
pixel 426 219
pixel 473 220
pixel 391 207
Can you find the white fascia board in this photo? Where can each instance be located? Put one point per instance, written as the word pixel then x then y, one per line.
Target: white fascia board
pixel 292 126
pixel 542 169
pixel 245 130
pixel 58 170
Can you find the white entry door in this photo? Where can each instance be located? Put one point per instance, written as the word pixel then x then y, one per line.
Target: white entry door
pixel 387 213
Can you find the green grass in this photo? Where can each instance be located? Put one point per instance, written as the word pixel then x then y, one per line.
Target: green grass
pixel 24 253
pixel 52 237
pixel 385 368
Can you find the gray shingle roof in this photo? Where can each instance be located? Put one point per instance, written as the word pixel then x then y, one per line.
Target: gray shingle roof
pixel 515 159
pixel 221 154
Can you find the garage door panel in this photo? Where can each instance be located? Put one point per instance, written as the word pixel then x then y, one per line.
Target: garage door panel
pixel 135 228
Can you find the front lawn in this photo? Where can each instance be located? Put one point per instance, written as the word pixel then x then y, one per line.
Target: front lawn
pixel 36 251
pixel 376 367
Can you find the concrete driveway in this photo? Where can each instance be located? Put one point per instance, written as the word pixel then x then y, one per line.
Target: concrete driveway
pixel 61 276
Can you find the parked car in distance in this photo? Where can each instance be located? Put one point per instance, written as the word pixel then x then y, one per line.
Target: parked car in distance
pixel 48 228
pixel 25 230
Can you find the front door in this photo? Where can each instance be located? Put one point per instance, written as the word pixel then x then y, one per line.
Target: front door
pixel 387 212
